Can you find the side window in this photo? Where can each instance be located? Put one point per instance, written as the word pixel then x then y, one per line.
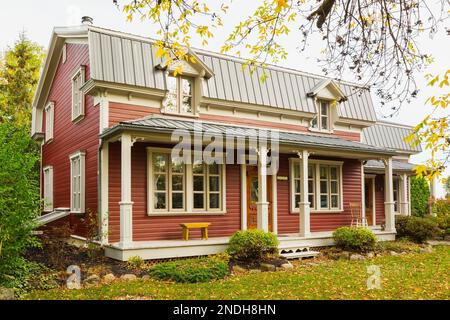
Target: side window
pixel 48 189
pixel 322 121
pixel 180 95
pixel 77 94
pixel 49 121
pixel 77 182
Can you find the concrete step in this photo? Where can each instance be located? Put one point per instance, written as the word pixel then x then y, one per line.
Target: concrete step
pixel 298 255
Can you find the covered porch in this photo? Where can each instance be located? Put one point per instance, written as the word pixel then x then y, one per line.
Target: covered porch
pixel 282 202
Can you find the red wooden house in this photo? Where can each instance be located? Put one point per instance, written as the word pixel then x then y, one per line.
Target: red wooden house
pixel 106 110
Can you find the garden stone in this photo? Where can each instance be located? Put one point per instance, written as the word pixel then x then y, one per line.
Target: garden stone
pixel 238 269
pixel 146 277
pixel 344 255
pixel 92 280
pixel 109 278
pixel 356 256
pixel 287 266
pixel 371 255
pixel 267 267
pixel 128 277
pixel 6 294
pixel 255 271
pixel 393 253
pixel 427 249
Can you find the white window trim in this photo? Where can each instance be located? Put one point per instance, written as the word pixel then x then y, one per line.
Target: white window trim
pixel 180 96
pixel 81 71
pixel 48 192
pixel 189 191
pixel 49 121
pixel 318 102
pixel 317 163
pixel 396 180
pixel 82 156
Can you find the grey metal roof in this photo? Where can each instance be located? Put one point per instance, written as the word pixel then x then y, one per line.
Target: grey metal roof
pixel 390 136
pixel 396 165
pixel 126 59
pixel 162 124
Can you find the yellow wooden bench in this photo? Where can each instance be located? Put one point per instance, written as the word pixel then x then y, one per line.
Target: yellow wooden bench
pixel 188 226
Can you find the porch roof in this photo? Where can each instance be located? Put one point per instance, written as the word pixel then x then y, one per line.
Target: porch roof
pixel 377 165
pixel 161 124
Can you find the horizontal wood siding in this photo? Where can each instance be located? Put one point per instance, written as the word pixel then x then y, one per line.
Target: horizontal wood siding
pixel 289 222
pixel 70 137
pixel 147 228
pixel 119 112
pixel 352 136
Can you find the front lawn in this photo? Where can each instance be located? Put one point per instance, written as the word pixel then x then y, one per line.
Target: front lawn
pixel 411 276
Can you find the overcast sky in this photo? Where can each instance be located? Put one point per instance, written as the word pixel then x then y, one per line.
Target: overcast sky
pixel 37 19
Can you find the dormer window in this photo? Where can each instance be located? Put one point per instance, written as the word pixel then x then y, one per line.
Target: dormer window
pixel 322 120
pixel 180 96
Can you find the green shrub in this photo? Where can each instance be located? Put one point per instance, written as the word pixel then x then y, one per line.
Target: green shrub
pixel 135 263
pixel 191 270
pixel 252 245
pixel 420 195
pixel 416 229
pixel 359 239
pixel 441 207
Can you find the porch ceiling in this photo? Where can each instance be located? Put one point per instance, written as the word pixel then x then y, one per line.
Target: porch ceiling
pixel 161 124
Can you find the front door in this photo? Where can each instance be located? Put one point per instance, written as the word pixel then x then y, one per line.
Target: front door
pixel 368 193
pixel 252 198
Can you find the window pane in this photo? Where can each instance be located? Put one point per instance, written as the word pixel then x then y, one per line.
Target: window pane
pixel 323 187
pixel 296 170
pixel 333 172
pixel 159 163
pixel 177 201
pixel 311 200
pixel 187 86
pixel 197 168
pixel 177 183
pixel 311 186
pixel 297 200
pixel 334 187
pixel 325 123
pixel 214 184
pixel 314 123
pixel 172 85
pixel 324 202
pixel 254 190
pixel 177 167
pixel 187 104
pixel 297 186
pixel 199 201
pixel 199 183
pixel 170 103
pixel 214 201
pixel 160 200
pixel 311 172
pixel 323 172
pixel 324 107
pixel 160 182
pixel 334 202
pixel 214 169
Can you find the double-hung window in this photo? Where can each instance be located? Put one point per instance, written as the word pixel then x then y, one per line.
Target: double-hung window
pixel 77 182
pixel 322 120
pixel 77 94
pixel 396 188
pixel 180 95
pixel 49 121
pixel 324 185
pixel 176 187
pixel 48 188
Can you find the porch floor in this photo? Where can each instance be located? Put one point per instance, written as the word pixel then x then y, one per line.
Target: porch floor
pixel 163 249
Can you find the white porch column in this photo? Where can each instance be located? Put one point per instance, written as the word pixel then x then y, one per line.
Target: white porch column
pixel 389 196
pixel 433 195
pixel 305 211
pixel 244 222
pixel 104 202
pixel 262 205
pixel 404 204
pixel 126 205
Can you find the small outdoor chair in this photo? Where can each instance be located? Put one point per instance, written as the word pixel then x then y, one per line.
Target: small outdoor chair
pixel 357 218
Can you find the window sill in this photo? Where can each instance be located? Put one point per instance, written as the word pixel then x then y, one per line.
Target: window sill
pixel 321 131
pixel 78 119
pixel 48 141
pixel 185 214
pixel 337 211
